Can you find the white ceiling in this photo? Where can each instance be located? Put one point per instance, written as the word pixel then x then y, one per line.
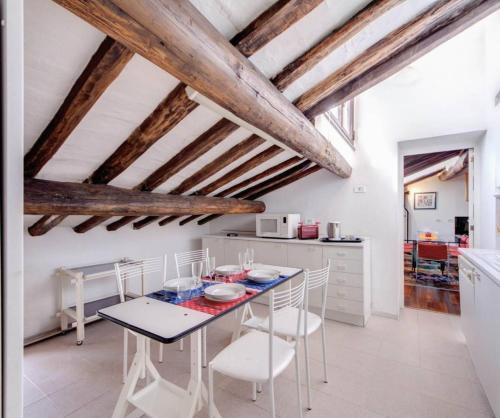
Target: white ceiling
pixel 58 45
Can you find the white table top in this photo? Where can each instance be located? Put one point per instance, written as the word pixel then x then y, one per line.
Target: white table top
pixel 166 322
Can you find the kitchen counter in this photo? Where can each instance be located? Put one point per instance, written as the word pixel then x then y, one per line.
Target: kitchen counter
pixel 250 237
pixel 487 260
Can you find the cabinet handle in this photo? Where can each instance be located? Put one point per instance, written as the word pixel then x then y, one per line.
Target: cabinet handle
pixel 341 254
pixel 476 276
pixel 341 308
pixel 341 267
pixel 341 280
pixel 341 294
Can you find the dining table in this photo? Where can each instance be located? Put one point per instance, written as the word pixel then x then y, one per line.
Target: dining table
pixel 162 316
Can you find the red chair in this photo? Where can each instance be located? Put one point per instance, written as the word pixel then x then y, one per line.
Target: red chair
pixel 433 251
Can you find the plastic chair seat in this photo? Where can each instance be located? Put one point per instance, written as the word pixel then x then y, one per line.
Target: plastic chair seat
pixel 248 357
pixel 285 322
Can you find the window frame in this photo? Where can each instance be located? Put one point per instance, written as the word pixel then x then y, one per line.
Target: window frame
pixel 338 123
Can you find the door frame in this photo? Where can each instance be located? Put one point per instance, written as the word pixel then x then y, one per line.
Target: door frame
pixel 463 140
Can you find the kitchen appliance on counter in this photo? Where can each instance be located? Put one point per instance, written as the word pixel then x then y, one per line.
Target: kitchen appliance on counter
pixel 333 231
pixel 309 230
pixel 277 225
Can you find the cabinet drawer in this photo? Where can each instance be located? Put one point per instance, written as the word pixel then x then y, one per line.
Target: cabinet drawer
pixel 305 256
pixel 339 253
pixel 347 266
pixel 342 305
pixel 346 279
pixel 345 292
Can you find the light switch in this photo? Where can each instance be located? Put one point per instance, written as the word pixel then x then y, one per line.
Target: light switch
pixel 360 189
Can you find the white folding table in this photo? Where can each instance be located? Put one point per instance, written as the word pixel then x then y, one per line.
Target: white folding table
pixel 165 322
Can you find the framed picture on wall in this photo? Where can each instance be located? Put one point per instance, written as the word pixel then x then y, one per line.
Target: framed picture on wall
pixel 424 200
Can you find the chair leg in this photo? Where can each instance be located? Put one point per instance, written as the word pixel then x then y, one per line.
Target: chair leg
pixel 181 345
pixel 308 374
pixel 323 338
pixel 271 396
pixel 254 391
pixel 125 355
pixel 297 377
pixel 204 347
pixel 211 412
pixel 160 353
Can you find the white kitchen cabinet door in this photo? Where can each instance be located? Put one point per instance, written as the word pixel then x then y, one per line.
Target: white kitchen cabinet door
pixel 273 253
pixel 215 248
pixel 305 256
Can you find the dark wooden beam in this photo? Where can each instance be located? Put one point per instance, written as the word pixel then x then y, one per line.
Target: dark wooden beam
pixel 377 53
pixel 102 69
pixel 230 190
pixel 332 41
pixel 415 163
pixel 231 155
pixel 278 185
pixel 62 198
pixel 175 36
pixel 45 224
pixel 243 168
pixel 175 107
pixel 457 169
pixel 426 176
pixel 275 20
pixel 445 30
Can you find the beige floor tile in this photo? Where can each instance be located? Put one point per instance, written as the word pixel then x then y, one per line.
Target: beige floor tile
pixel 418 366
pixel 31 392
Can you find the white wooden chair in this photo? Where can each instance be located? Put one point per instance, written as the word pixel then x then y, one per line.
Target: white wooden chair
pixel 182 260
pixel 260 356
pixel 284 325
pixel 138 269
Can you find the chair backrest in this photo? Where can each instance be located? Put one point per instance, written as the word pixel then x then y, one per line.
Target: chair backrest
pixel 140 269
pixel 278 300
pixel 318 279
pixel 188 257
pixel 433 251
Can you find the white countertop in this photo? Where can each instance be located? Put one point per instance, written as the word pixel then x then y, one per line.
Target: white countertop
pixel 289 241
pixel 487 261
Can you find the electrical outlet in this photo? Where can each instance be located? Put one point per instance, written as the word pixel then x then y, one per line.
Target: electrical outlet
pixel 359 189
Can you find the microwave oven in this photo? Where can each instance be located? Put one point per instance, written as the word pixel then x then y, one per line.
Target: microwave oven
pixel 277 225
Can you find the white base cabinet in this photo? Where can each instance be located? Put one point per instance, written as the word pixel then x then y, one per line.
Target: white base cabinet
pixel 480 319
pixel 349 289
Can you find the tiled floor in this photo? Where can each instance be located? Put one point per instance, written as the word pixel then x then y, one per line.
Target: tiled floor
pixel 416 367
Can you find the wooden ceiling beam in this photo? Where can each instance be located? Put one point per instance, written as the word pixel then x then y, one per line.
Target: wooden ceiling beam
pixel 445 30
pixel 332 41
pixel 176 106
pixel 457 169
pixel 300 174
pixel 63 198
pixel 376 54
pixel 415 163
pixel 231 155
pixel 275 20
pixel 102 69
pixel 174 36
pixel 230 190
pixel 243 168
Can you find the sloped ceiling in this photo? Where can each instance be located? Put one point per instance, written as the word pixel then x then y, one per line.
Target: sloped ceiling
pixel 58 45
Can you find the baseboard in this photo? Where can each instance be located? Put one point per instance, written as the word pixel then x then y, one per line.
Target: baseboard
pixel 385 314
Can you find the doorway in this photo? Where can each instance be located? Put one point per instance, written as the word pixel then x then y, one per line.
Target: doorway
pixel 438 208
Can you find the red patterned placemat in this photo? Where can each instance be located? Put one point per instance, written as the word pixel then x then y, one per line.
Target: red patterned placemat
pixel 231 278
pixel 202 304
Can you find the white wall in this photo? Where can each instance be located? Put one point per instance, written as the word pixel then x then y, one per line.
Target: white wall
pixel 451 202
pixel 12 208
pixel 421 102
pixel 63 247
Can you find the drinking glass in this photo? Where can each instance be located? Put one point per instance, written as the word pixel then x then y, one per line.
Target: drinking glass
pixel 196 271
pixel 250 257
pixel 211 267
pixel 184 289
pixel 242 259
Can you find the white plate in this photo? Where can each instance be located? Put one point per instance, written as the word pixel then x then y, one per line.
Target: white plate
pixel 228 270
pixel 185 283
pixel 263 275
pixel 225 292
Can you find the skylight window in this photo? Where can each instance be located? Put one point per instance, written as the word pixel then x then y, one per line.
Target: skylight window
pixel 342 119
